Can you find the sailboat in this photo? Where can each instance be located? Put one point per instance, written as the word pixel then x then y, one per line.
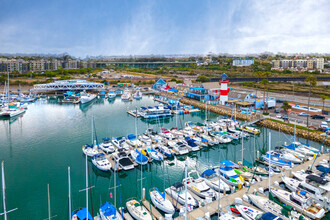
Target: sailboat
pixel 88 149
pixel 82 213
pixel 135 208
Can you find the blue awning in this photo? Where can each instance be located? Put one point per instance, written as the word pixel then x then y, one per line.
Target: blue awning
pixel 227 163
pixel 131 136
pixel 81 214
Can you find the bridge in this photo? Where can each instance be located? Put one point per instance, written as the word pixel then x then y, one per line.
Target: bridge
pixel 68 85
pixel 283 79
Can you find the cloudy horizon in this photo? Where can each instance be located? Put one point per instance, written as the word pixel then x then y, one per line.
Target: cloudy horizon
pixel 114 28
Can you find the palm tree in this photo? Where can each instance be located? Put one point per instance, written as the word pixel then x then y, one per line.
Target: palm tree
pixel 264 82
pixel 324 97
pixel 312 82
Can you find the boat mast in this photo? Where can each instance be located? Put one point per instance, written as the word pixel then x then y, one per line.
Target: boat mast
pixel 92 132
pixel 49 215
pixel 269 154
pixel 115 182
pixel 294 136
pixel 4 188
pixel 242 150
pixel 69 183
pixel 185 188
pixel 86 188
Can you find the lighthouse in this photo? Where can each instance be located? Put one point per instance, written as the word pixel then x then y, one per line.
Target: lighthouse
pixel 224 89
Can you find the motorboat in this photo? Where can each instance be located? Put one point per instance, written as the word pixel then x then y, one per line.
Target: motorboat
pixel 300 149
pixel 220 137
pixel 228 216
pixel 145 139
pixel 177 192
pixel 90 150
pixel 211 140
pixel 213 180
pixel 120 143
pixel 265 204
pixel 154 154
pixel 200 141
pixel 179 147
pixel 300 202
pixel 137 95
pixel 86 97
pixel 199 186
pixel 228 175
pixel 107 146
pixel 164 150
pixel 284 150
pixel 133 141
pixel 274 159
pixel 111 95
pixel 126 95
pixel 155 112
pixel 138 157
pixel 319 195
pixel 161 202
pixel 251 130
pixel 192 145
pixel 121 158
pixel 137 210
pixel 167 134
pixel 271 216
pixel 288 157
pixel 109 212
pixel 101 162
pixel 247 211
pixel 81 214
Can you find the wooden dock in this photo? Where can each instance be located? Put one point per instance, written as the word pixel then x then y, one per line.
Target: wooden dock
pixel 126 215
pixel 228 200
pixel 133 113
pixel 153 211
pixel 176 204
pixel 162 101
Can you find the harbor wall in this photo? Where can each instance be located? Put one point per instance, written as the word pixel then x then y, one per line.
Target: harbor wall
pixel 225 110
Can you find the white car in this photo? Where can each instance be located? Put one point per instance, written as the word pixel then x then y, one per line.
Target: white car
pixel 328 120
pixel 278 116
pixel 324 124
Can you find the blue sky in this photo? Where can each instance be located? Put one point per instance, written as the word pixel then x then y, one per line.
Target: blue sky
pixel 133 27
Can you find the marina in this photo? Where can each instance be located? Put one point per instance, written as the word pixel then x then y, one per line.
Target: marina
pixel 112 126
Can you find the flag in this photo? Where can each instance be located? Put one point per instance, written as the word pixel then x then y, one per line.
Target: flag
pixel 111 195
pixel 183 83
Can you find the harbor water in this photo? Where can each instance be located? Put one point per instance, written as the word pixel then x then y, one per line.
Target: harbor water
pixel 39 146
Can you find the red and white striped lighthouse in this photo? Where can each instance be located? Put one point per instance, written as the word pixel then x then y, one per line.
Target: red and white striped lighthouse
pixel 224 89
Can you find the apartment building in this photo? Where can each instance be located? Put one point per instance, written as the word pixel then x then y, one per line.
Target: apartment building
pixel 299 64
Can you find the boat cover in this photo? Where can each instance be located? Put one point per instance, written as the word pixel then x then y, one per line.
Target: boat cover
pixel 106 139
pixel 323 169
pixel 125 162
pixel 269 216
pixel 178 185
pixel 317 179
pixel 98 155
pixel 207 172
pixel 141 158
pixel 108 209
pixel 81 214
pixel 227 163
pixel 131 136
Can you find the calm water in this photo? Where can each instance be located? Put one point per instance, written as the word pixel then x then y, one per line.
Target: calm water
pixel 39 146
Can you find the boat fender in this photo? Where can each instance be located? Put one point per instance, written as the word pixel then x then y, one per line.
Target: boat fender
pixel 207 216
pixel 255 192
pixel 238 201
pixel 240 186
pixel 276 183
pixel 261 190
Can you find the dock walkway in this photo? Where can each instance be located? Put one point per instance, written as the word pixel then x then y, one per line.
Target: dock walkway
pixel 228 200
pixel 153 211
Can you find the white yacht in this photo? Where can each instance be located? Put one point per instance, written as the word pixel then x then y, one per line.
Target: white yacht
pixel 122 160
pixel 179 147
pixel 161 202
pixel 198 186
pixel 86 97
pixel 120 143
pixel 107 146
pixel 177 192
pixel 213 180
pixel 248 212
pixel 101 162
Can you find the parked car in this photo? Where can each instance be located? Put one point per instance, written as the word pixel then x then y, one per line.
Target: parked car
pixel 317 117
pixel 324 124
pixel 303 114
pixel 328 120
pixel 277 110
pixel 285 117
pixel 278 116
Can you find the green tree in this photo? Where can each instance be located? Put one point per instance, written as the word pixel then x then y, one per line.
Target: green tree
pixel 311 80
pixel 286 106
pixel 202 78
pixel 265 83
pixel 324 97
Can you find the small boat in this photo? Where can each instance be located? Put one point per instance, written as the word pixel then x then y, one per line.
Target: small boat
pixel 81 214
pixel 161 202
pixel 86 97
pixel 274 159
pixel 300 202
pixel 120 143
pixel 167 134
pixel 145 139
pixel 121 158
pixel 228 216
pixel 199 186
pixel 164 150
pixel 138 157
pixel 228 175
pixel 137 210
pixel 154 154
pixel 265 204
pixel 111 95
pixel 251 130
pixel 248 212
pixel 179 147
pixel 192 145
pixel 213 180
pixel 126 95
pixel 177 192
pixel 90 150
pixel 211 140
pixel 137 95
pixel 133 141
pixel 101 162
pixel 109 212
pixel 271 216
pixel 284 150
pixel 12 110
pixel 300 149
pixel 107 146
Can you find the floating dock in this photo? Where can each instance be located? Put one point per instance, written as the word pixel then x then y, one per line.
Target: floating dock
pixel 133 113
